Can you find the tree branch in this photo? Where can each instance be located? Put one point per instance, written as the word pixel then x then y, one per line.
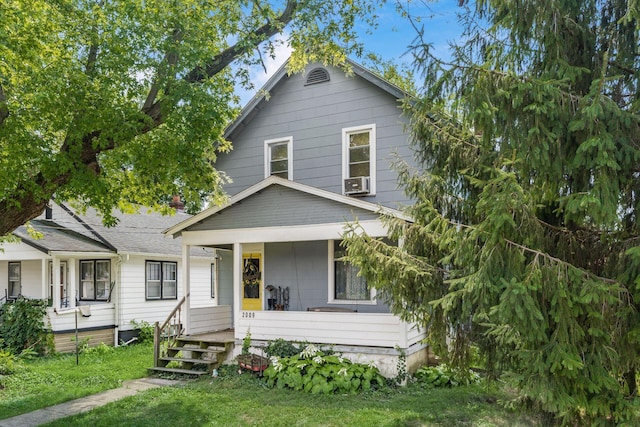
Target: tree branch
pixel 227 56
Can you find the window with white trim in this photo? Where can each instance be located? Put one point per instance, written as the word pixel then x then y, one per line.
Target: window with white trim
pixel 345 285
pixel 359 153
pixel 278 159
pixel 161 279
pixel 95 280
pixel 15 281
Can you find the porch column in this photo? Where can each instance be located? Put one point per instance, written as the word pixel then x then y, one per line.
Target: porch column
pixel 44 278
pixel 72 282
pixel 186 285
pixel 237 278
pixel 56 282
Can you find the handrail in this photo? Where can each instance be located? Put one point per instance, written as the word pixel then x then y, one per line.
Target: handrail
pixel 176 308
pixel 166 335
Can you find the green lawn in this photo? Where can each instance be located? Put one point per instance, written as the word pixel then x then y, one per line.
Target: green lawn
pixel 237 400
pixel 47 381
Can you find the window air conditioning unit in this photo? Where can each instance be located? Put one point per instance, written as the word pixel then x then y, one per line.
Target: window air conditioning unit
pixel 358 185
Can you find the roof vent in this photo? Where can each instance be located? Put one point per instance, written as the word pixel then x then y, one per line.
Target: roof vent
pixel 317 75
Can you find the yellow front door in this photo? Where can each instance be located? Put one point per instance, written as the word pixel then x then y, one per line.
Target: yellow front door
pixel 251 281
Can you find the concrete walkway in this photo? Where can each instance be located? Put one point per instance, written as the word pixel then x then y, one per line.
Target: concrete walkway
pixel 84 404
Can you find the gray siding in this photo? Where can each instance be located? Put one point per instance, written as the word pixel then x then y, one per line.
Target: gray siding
pixel 225 278
pixel 315 116
pixel 303 267
pixel 277 206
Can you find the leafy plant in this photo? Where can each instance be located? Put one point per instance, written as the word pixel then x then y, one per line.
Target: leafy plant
pixel 7 362
pixel 315 372
pixel 281 348
pixel 22 326
pixel 446 376
pixel 246 343
pixel 401 366
pixel 100 349
pixel 145 330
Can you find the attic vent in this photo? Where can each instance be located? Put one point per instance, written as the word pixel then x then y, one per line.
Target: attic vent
pixel 317 75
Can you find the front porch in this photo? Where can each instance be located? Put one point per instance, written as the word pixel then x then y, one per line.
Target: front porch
pixel 362 337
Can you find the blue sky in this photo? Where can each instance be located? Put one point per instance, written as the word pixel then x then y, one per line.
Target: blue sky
pixel 390 40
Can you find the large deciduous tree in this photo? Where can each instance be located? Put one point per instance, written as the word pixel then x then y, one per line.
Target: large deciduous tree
pixel 124 101
pixel 526 240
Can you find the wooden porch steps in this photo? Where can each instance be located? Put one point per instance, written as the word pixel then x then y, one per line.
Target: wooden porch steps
pixel 195 354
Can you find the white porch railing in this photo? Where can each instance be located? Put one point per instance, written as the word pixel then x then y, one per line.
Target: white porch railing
pixel 209 319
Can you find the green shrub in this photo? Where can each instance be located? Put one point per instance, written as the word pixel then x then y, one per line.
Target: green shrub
pixel 7 363
pixel 22 326
pixel 145 330
pixel 316 372
pixel 445 376
pixel 100 349
pixel 281 348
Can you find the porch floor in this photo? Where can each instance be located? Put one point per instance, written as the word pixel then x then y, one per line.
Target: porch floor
pixel 226 335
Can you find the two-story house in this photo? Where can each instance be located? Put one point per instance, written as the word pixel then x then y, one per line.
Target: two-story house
pixel 311 156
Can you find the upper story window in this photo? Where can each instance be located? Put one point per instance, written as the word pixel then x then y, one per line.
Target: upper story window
pixel 345 285
pixel 278 157
pixel 161 280
pixel 95 279
pixel 359 159
pixel 15 281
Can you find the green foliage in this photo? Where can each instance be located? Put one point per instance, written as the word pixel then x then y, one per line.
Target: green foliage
pixel 7 363
pixel 281 348
pixel 446 376
pixel 246 343
pixel 145 331
pixel 526 184
pixel 100 349
pixel 402 375
pixel 105 103
pixel 313 371
pixel 22 326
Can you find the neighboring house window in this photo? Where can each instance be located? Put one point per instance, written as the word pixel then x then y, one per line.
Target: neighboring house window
pixel 162 280
pixel 346 285
pixel 95 280
pixel 278 157
pixel 14 279
pixel 359 154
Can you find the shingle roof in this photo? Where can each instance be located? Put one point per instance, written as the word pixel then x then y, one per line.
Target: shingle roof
pixel 56 237
pixel 70 231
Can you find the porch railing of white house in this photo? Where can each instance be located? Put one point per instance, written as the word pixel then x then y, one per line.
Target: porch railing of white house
pixel 166 335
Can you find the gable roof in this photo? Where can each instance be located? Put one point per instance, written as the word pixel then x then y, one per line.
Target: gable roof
pixel 255 103
pixel 274 180
pixel 68 231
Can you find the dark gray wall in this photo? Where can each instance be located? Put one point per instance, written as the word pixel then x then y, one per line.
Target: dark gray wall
pixel 225 278
pixel 281 206
pixel 315 116
pixel 303 267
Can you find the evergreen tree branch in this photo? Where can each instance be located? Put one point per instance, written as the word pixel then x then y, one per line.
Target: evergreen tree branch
pixel 4 108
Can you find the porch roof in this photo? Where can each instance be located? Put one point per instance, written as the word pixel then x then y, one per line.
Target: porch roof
pixel 57 237
pixel 278 202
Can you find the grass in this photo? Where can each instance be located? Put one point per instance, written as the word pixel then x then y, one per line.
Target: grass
pixel 47 381
pixel 238 400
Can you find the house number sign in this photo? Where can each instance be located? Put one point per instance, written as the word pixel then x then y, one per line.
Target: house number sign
pixel 248 314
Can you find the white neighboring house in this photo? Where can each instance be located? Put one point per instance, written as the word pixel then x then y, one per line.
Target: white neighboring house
pixel 111 275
